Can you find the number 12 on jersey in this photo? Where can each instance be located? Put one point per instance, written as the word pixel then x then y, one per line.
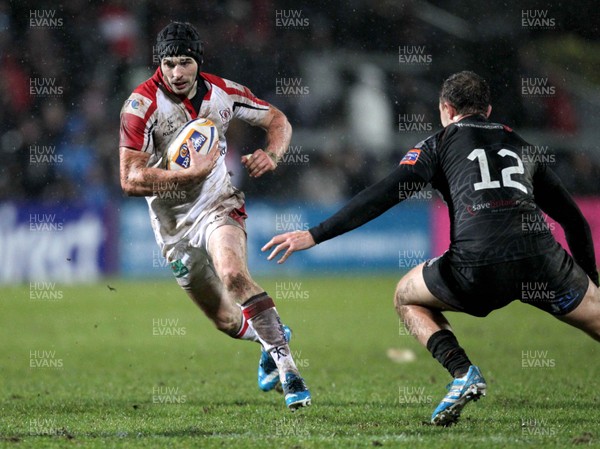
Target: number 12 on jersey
pixel 507 172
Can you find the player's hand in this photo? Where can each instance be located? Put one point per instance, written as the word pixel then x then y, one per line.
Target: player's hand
pixel 290 242
pixel 258 163
pixel 203 164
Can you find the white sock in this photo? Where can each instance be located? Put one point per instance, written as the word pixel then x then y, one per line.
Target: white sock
pixel 246 331
pixel 263 317
pixel 284 360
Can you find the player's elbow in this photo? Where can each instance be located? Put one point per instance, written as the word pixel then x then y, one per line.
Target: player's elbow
pixel 127 186
pixel 284 127
pixel 131 173
pixel 280 121
pixel 286 124
pixel 127 189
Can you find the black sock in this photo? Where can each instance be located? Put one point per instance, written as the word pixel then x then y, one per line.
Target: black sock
pixel 444 347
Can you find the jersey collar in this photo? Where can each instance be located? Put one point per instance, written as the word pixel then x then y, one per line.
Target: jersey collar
pixel 474 118
pixel 159 79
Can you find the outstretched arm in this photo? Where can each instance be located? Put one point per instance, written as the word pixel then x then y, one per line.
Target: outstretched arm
pixel 364 207
pixel 555 200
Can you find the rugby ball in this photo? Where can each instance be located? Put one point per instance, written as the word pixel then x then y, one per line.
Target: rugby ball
pixel 202 133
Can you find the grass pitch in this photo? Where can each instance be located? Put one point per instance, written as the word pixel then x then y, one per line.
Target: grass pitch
pixel 140 367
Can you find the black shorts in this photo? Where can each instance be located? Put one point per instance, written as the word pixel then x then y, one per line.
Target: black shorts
pixel 552 282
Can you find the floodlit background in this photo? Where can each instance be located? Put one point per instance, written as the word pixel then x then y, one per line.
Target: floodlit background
pixel 358 80
pixel 100 347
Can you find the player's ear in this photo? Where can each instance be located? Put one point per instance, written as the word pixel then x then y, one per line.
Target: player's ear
pixel 445 113
pixel 451 110
pixel 489 111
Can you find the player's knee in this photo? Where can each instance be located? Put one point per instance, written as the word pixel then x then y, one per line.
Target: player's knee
pixel 401 295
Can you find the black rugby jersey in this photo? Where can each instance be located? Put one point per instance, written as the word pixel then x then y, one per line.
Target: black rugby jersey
pixel 480 170
pixel 495 188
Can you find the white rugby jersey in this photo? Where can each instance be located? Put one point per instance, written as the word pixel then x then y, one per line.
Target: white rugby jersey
pixel 152 116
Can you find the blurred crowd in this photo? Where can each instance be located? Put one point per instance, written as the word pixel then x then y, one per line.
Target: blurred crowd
pixel 66 70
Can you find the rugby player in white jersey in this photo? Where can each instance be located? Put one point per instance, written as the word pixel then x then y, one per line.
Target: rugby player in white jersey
pixel 196 214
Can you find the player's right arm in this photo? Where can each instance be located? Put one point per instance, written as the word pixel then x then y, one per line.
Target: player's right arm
pixel 136 144
pixel 415 170
pixel 364 207
pixel 139 180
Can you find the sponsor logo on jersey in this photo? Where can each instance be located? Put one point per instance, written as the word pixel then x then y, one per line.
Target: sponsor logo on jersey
pixel 137 105
pixel 495 205
pixel 411 157
pixel 170 128
pixel 225 115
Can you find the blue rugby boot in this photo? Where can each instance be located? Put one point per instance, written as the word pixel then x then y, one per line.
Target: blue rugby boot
pixel 268 374
pixel 295 391
pixel 461 390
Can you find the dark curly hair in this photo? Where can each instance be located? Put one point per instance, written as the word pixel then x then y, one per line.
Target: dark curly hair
pixel 468 92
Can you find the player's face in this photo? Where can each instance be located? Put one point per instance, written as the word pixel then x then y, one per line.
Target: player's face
pixel 180 73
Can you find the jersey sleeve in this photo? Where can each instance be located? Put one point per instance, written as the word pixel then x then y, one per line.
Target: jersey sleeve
pixel 414 171
pixel 421 160
pixel 136 123
pixel 369 204
pixel 555 200
pixel 245 105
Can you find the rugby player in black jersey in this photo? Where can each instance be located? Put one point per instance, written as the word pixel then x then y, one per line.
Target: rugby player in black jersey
pixel 494 195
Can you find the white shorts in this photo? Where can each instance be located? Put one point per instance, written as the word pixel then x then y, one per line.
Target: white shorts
pixel 189 258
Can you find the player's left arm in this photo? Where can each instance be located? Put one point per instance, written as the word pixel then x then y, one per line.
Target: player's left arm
pixel 554 199
pixel 278 134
